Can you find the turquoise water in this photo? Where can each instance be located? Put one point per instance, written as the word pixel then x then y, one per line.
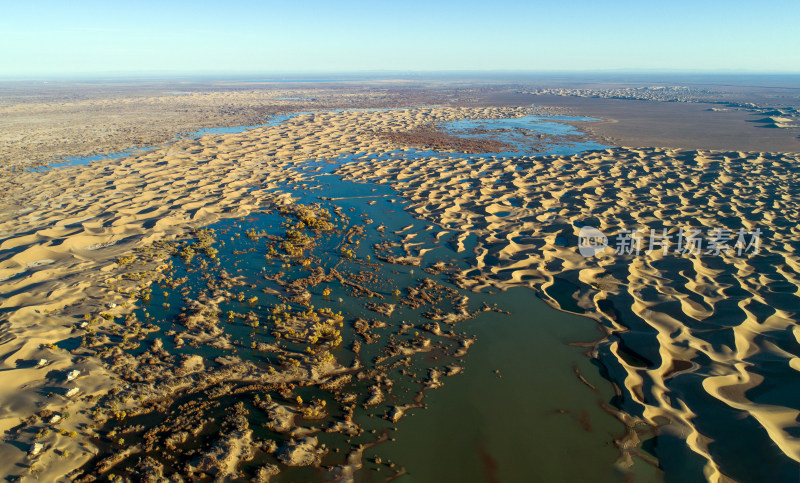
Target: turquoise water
pixel 528 135
pixel 535 123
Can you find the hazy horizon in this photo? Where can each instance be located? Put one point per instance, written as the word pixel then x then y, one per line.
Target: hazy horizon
pixel 631 75
pixel 415 241
pixel 97 38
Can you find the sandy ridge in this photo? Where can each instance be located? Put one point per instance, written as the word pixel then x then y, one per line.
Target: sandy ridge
pixel 663 313
pixel 62 230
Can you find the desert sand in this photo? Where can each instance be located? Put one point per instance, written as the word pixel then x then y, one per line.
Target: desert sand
pixel 63 231
pixel 40 124
pixel 62 240
pixel 525 214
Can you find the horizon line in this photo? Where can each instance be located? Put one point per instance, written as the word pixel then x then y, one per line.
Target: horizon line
pixel 278 76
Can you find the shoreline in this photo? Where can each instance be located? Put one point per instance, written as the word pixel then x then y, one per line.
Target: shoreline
pixel 100 247
pixel 145 172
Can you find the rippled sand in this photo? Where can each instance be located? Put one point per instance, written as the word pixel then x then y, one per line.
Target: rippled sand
pixel 63 230
pixel 678 325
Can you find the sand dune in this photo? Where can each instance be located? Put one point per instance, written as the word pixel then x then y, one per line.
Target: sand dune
pixel 62 230
pixel 41 123
pixel 679 324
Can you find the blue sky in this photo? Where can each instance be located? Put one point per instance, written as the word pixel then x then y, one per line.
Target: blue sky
pixel 66 38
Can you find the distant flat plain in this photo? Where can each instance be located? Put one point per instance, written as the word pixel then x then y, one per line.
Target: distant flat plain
pixel 626 122
pixel 42 120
